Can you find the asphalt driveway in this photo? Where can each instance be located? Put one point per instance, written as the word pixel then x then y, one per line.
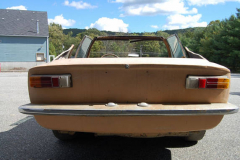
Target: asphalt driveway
pixel 22 138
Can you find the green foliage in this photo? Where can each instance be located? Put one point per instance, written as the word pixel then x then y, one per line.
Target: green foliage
pixel 52 49
pixel 51 59
pixel 56 37
pixel 83 32
pixel 164 52
pixel 58 41
pixel 69 40
pixel 226 44
pixel 183 31
pixel 148 47
pixel 238 13
pixel 74 31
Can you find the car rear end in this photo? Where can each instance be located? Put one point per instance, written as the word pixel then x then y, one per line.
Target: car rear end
pixel 127 96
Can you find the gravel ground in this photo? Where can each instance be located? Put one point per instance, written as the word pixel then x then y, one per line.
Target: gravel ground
pixel 22 138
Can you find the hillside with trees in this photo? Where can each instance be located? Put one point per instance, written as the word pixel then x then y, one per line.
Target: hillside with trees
pixel 219 42
pixel 76 31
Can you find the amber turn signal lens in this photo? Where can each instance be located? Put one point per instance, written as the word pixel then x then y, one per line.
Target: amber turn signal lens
pixel 35 82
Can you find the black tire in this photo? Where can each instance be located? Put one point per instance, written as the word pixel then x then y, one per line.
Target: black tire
pixel 64 136
pixel 195 136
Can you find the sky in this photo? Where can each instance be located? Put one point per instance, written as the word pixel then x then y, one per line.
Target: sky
pixel 129 15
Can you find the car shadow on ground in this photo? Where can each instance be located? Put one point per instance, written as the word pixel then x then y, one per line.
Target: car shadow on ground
pixel 28 140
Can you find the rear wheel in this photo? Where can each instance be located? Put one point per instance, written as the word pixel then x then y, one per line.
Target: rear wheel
pixel 195 136
pixel 64 135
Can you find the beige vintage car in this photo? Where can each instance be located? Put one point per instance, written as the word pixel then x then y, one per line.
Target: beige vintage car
pixel 129 89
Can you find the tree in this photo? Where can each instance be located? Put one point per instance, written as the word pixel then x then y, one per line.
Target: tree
pixel 208 39
pixel 238 13
pixel 219 42
pixel 52 49
pixel 69 40
pixel 56 37
pixel 227 42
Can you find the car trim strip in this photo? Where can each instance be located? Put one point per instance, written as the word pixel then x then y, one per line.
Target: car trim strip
pixel 129 109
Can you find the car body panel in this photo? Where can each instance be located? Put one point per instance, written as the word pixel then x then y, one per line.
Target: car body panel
pixel 151 80
pixel 129 124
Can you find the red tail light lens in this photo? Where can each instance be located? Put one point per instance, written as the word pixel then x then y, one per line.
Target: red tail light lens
pixel 202 83
pixel 50 81
pixel 55 81
pixel 46 82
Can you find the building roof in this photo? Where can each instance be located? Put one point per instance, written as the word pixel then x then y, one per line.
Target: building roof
pixel 23 23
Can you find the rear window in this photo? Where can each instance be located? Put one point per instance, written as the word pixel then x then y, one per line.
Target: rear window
pixel 176 47
pixel 123 48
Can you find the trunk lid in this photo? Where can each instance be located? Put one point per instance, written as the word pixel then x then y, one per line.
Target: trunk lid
pixel 129 80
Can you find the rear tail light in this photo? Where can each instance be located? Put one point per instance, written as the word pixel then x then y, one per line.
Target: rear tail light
pixel 50 81
pixel 217 82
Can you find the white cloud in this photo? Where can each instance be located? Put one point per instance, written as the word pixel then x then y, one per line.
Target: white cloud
pixel 207 2
pixel 60 20
pixel 154 26
pixel 79 5
pixel 170 27
pixel 21 7
pixel 107 24
pixel 154 7
pixel 178 21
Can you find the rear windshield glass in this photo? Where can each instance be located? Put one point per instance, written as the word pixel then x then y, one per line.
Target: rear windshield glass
pixel 82 51
pixel 176 48
pixel 121 48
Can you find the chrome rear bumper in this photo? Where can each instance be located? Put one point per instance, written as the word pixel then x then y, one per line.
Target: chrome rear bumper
pixel 129 109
